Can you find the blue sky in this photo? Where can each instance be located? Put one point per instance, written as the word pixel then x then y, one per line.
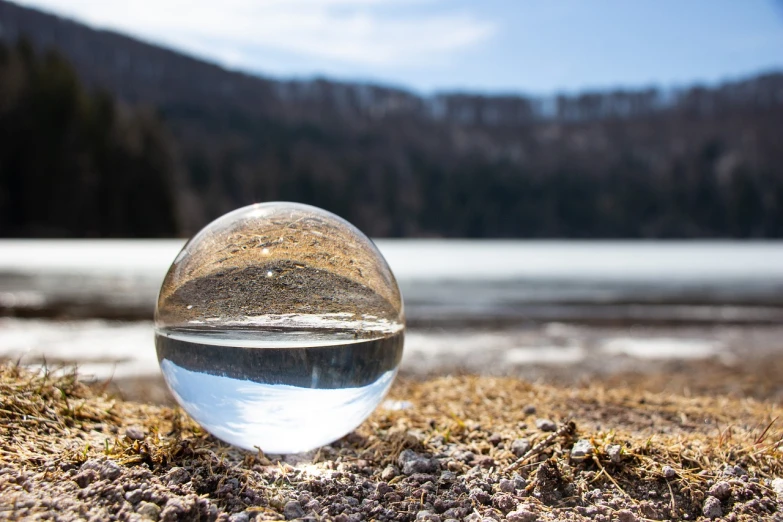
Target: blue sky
pixel 528 46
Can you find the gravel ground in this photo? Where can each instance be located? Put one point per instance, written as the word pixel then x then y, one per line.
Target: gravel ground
pixel 447 448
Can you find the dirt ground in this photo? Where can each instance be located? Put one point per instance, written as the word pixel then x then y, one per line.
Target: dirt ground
pixel 444 448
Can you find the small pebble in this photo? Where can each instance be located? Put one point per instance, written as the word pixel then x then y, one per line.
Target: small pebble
pixel 389 472
pixel 448 476
pixel 107 469
pixel 614 452
pixel 177 475
pixel 668 472
pixel 110 470
pixel 486 462
pixel 85 478
pixel 521 515
pixel 293 510
pixel 176 509
pixel 582 449
pixel 134 433
pixel 519 447
pixel 504 502
pixel 148 510
pixel 480 496
pixel 625 515
pixel 313 506
pixel 529 409
pixel 712 508
pixel 777 486
pixel 507 486
pixel 595 494
pixel 134 497
pixel 720 490
pixel 545 425
pixel 464 456
pixel 412 462
pixel 239 517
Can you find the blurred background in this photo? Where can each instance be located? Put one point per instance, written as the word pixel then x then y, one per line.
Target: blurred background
pixel 567 191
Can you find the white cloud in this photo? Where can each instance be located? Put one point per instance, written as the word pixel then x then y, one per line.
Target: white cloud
pixel 359 32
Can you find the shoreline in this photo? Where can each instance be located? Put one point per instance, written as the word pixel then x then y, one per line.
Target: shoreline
pixel 741 361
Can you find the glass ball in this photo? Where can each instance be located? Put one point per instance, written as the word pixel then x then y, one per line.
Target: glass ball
pixel 279 327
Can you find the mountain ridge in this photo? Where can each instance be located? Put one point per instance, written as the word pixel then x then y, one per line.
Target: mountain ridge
pixel 135 71
pixel 699 162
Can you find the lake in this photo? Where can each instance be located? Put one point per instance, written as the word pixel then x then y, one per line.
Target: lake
pixel 444 282
pixel 535 309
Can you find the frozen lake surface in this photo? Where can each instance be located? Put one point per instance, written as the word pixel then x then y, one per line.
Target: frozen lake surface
pixel 494 307
pixel 126 350
pixel 443 282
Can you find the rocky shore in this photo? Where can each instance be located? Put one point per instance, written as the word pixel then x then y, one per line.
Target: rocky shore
pixel 445 448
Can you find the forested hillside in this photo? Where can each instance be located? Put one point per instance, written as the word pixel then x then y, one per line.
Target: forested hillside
pixel 695 162
pixel 78 164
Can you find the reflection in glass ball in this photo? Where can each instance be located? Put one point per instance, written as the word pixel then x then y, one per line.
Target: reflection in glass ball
pixel 279 326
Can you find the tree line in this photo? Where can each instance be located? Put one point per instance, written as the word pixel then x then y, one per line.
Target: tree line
pixel 78 164
pixel 80 161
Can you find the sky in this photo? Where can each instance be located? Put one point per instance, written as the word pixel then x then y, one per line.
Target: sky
pixel 494 46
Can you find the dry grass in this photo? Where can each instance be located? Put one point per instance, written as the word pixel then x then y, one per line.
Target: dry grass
pixel 59 439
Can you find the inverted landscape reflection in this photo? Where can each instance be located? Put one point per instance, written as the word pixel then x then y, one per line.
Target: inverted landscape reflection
pixel 276 417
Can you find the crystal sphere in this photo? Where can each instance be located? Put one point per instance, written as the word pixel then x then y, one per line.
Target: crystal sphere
pixel 279 327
